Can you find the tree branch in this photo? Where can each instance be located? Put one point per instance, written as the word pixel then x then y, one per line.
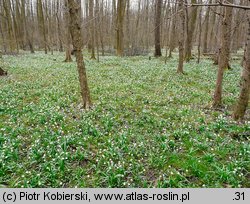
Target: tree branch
pixel 222 4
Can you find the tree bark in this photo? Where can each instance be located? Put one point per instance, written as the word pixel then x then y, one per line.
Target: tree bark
pixel 41 23
pixel 2 29
pixel 181 37
pixel 11 35
pixel 58 15
pixel 136 37
pixel 205 39
pixel 92 28
pixel 157 30
pixel 245 81
pixel 172 43
pixel 101 28
pixel 75 29
pixel 121 7
pixel 28 35
pixel 97 28
pixel 31 31
pixel 199 40
pixel 223 55
pixel 191 28
pixel 67 34
pixel 212 37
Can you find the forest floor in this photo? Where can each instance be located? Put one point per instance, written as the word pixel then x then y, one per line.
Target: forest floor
pixel 149 126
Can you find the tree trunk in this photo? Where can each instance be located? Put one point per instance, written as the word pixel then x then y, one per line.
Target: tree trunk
pixel 205 40
pixel 128 40
pixel 18 17
pixel 119 30
pixel 92 28
pixel 11 35
pixel 245 81
pixel 28 36
pixel 2 30
pixel 173 35
pixel 147 24
pixel 212 37
pixel 135 36
pixel 181 36
pixel 113 41
pixel 223 54
pixel 199 40
pixel 59 25
pixel 67 34
pixel 101 27
pixel 75 29
pixel 97 28
pixel 191 28
pixel 31 32
pixel 157 30
pixel 41 23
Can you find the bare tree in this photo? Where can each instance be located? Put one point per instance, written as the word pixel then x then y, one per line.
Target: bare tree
pixel 27 32
pixel 172 40
pixel 67 33
pixel 199 38
pixel 205 39
pixel 157 30
pixel 41 23
pixel 223 54
pixel 92 28
pixel 59 30
pixel 190 32
pixel 75 29
pixel 121 7
pixel 11 33
pixel 181 36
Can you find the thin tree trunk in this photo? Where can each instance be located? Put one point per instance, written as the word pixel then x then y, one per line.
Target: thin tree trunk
pixel 59 25
pixel 121 7
pixel 114 24
pixel 223 55
pixel 2 29
pixel 92 28
pixel 191 29
pixel 87 27
pixel 15 25
pixel 205 40
pixel 11 37
pixel 136 33
pixel 97 28
pixel 157 29
pixel 41 23
pixel 172 34
pixel 212 32
pixel 18 18
pixel 128 40
pixel 181 36
pixel 75 29
pixel 200 31
pixel 28 35
pixel 147 24
pixel 245 81
pixel 67 34
pixel 101 25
